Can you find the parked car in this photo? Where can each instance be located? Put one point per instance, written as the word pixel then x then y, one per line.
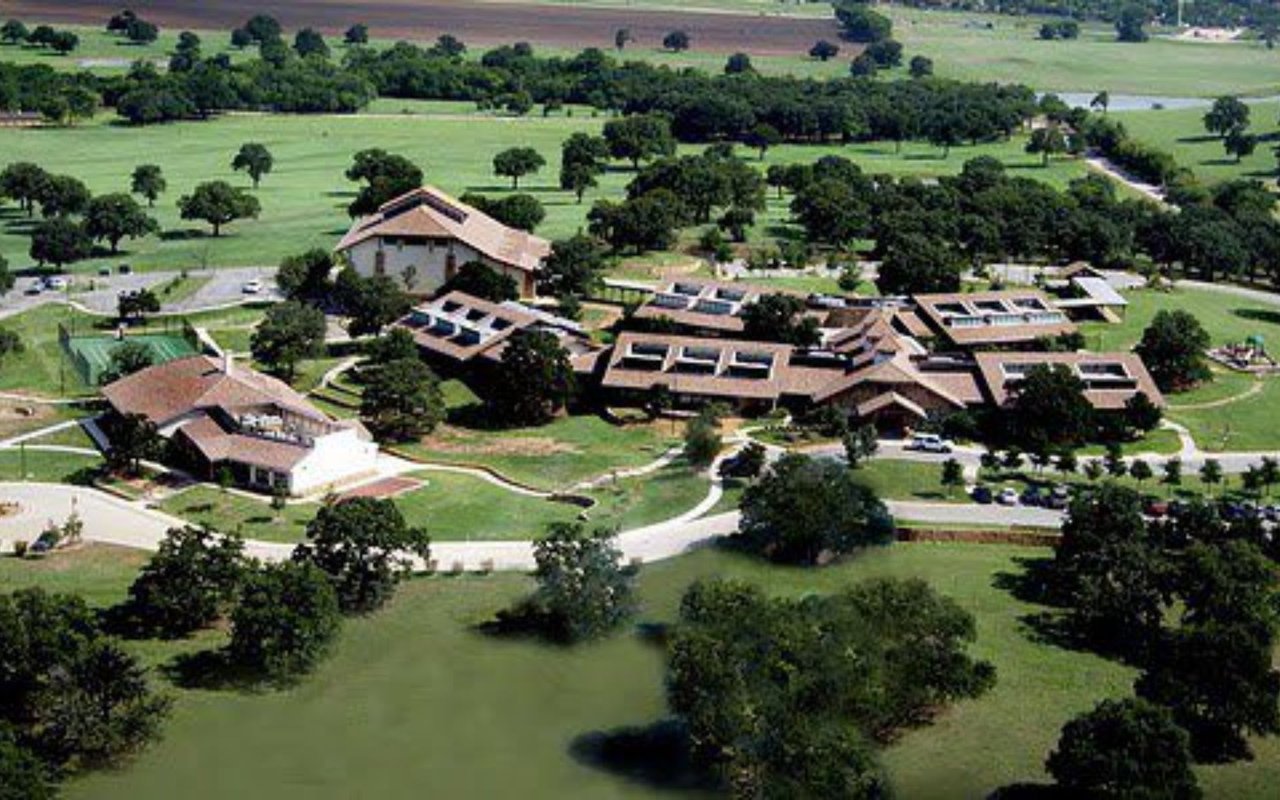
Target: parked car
pixel 57 283
pixel 1008 496
pixel 1232 511
pixel 1031 497
pixel 1271 513
pixel 981 494
pixel 930 443
pixel 253 286
pixel 124 269
pixel 735 467
pixel 35 288
pixel 1156 508
pixel 1059 497
pixel 104 271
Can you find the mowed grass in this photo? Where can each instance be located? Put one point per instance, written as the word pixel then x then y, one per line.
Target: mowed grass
pixel 1226 317
pixel 304 199
pixel 414 698
pixel 45 466
pixel 1181 132
pixel 963 47
pixel 1248 424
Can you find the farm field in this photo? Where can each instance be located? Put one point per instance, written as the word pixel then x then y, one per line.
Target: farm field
pixel 304 199
pixel 413 696
pixel 1181 132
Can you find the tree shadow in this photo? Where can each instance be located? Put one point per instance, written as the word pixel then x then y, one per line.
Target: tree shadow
pixel 1201 139
pixel 1029 791
pixel 211 670
pixel 183 234
pixel 1033 584
pixel 1219 162
pixel 1258 315
pixel 658 756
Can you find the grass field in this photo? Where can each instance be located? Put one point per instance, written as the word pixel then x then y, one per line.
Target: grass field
pixel 1181 132
pixel 305 197
pixel 45 466
pixel 413 698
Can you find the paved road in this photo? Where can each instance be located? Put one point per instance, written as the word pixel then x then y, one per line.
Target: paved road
pixel 225 287
pixel 114 521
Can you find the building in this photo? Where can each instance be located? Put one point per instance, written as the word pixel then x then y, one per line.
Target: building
pixel 423 237
pixel 1007 318
pixel 458 333
pixel 222 416
pixel 1110 379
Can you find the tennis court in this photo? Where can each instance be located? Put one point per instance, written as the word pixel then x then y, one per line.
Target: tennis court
pixel 92 354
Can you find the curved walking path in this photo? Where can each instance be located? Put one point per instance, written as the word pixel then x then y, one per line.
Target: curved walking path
pixel 1253 389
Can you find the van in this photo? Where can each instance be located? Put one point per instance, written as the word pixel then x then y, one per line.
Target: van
pixel 930 443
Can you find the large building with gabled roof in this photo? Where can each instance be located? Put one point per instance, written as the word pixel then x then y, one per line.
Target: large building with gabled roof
pixel 423 237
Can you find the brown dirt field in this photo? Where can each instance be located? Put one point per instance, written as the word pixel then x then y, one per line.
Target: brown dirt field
pixel 17 417
pixel 459 441
pixel 387 487
pixel 478 23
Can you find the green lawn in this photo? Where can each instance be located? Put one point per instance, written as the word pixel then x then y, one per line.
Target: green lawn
pixel 455 507
pixel 74 436
pixel 413 697
pixel 1181 132
pixel 45 466
pixel 1247 425
pixel 235 513
pixel 1226 317
pixel 636 502
pixel 962 47
pixel 896 479
pixel 305 197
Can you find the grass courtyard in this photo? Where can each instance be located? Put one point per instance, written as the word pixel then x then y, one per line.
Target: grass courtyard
pixel 413 697
pixel 1180 131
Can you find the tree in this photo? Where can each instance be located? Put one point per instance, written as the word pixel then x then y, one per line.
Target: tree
pixel 1225 115
pixel 59 195
pixel 139 31
pixel 1211 472
pixel 263 28
pixel 861 23
pixel 1114 461
pixel 114 216
pixel 1141 414
pixel 402 400
pixel 289 333
pixel 480 280
pixel 1130 22
pixel 1047 141
pixel 1239 143
pixel 1140 471
pixel 522 211
pixel 241 38
pixel 133 306
pixel 1173 349
pixel 860 444
pixel 516 163
pixel 702 441
pixel 1172 471
pixel 218 203
pixel 621 38
pixel 386 176
pixel 285 621
pixel 533 380
pixel 864 65
pixel 59 241
pixel 372 303
pixel 13 32
pixel 1124 748
pixel 309 42
pixel 23 181
pixel 1101 101
pixel 952 474
pixel 916 263
pixel 21 773
pixel 128 358
pixel 738 64
pixel 574 267
pixel 254 159
pixel 148 181
pixel 305 277
pixel 1109 568
pixel 134 438
pixel 639 137
pixel 449 46
pixel 583 591
pixel 805 511
pixel 1048 408
pixel 365 547
pixel 676 41
pixel 780 318
pixel 762 137
pixel 1225 581
pixel 823 50
pixel 921 66
pixel 357 34
pixel 7 279
pixel 63 42
pixel 191 582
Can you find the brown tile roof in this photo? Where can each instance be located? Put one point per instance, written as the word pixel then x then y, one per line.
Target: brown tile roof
pixel 1110 378
pixel 430 213
pixel 623 372
pixel 698 294
pixel 887 399
pixel 217 444
pixel 894 372
pixel 996 317
pixel 167 391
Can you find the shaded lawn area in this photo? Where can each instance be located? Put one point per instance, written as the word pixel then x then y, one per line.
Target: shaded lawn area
pixel 74 436
pixel 896 479
pixel 413 696
pixel 1160 440
pixel 1246 425
pixel 456 507
pixel 233 513
pixel 1226 384
pixel 46 467
pixel 567 450
pixel 648 499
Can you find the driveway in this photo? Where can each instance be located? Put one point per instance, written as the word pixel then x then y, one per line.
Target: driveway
pixel 224 287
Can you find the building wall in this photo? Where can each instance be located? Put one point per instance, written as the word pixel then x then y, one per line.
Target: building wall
pixel 335 458
pixel 434 263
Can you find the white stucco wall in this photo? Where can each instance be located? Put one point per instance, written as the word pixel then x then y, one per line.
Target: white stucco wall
pixel 333 459
pixel 429 262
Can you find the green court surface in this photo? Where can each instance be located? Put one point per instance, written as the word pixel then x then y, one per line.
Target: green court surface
pixel 91 355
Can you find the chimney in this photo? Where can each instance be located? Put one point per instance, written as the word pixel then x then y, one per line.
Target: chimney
pixel 228 362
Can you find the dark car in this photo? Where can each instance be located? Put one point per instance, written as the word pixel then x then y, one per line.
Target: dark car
pixel 1156 508
pixel 1058 498
pixel 981 494
pixel 1031 497
pixel 736 467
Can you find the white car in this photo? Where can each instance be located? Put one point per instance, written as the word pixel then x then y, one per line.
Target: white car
pixel 1008 496
pixel 930 443
pixel 252 286
pixel 57 283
